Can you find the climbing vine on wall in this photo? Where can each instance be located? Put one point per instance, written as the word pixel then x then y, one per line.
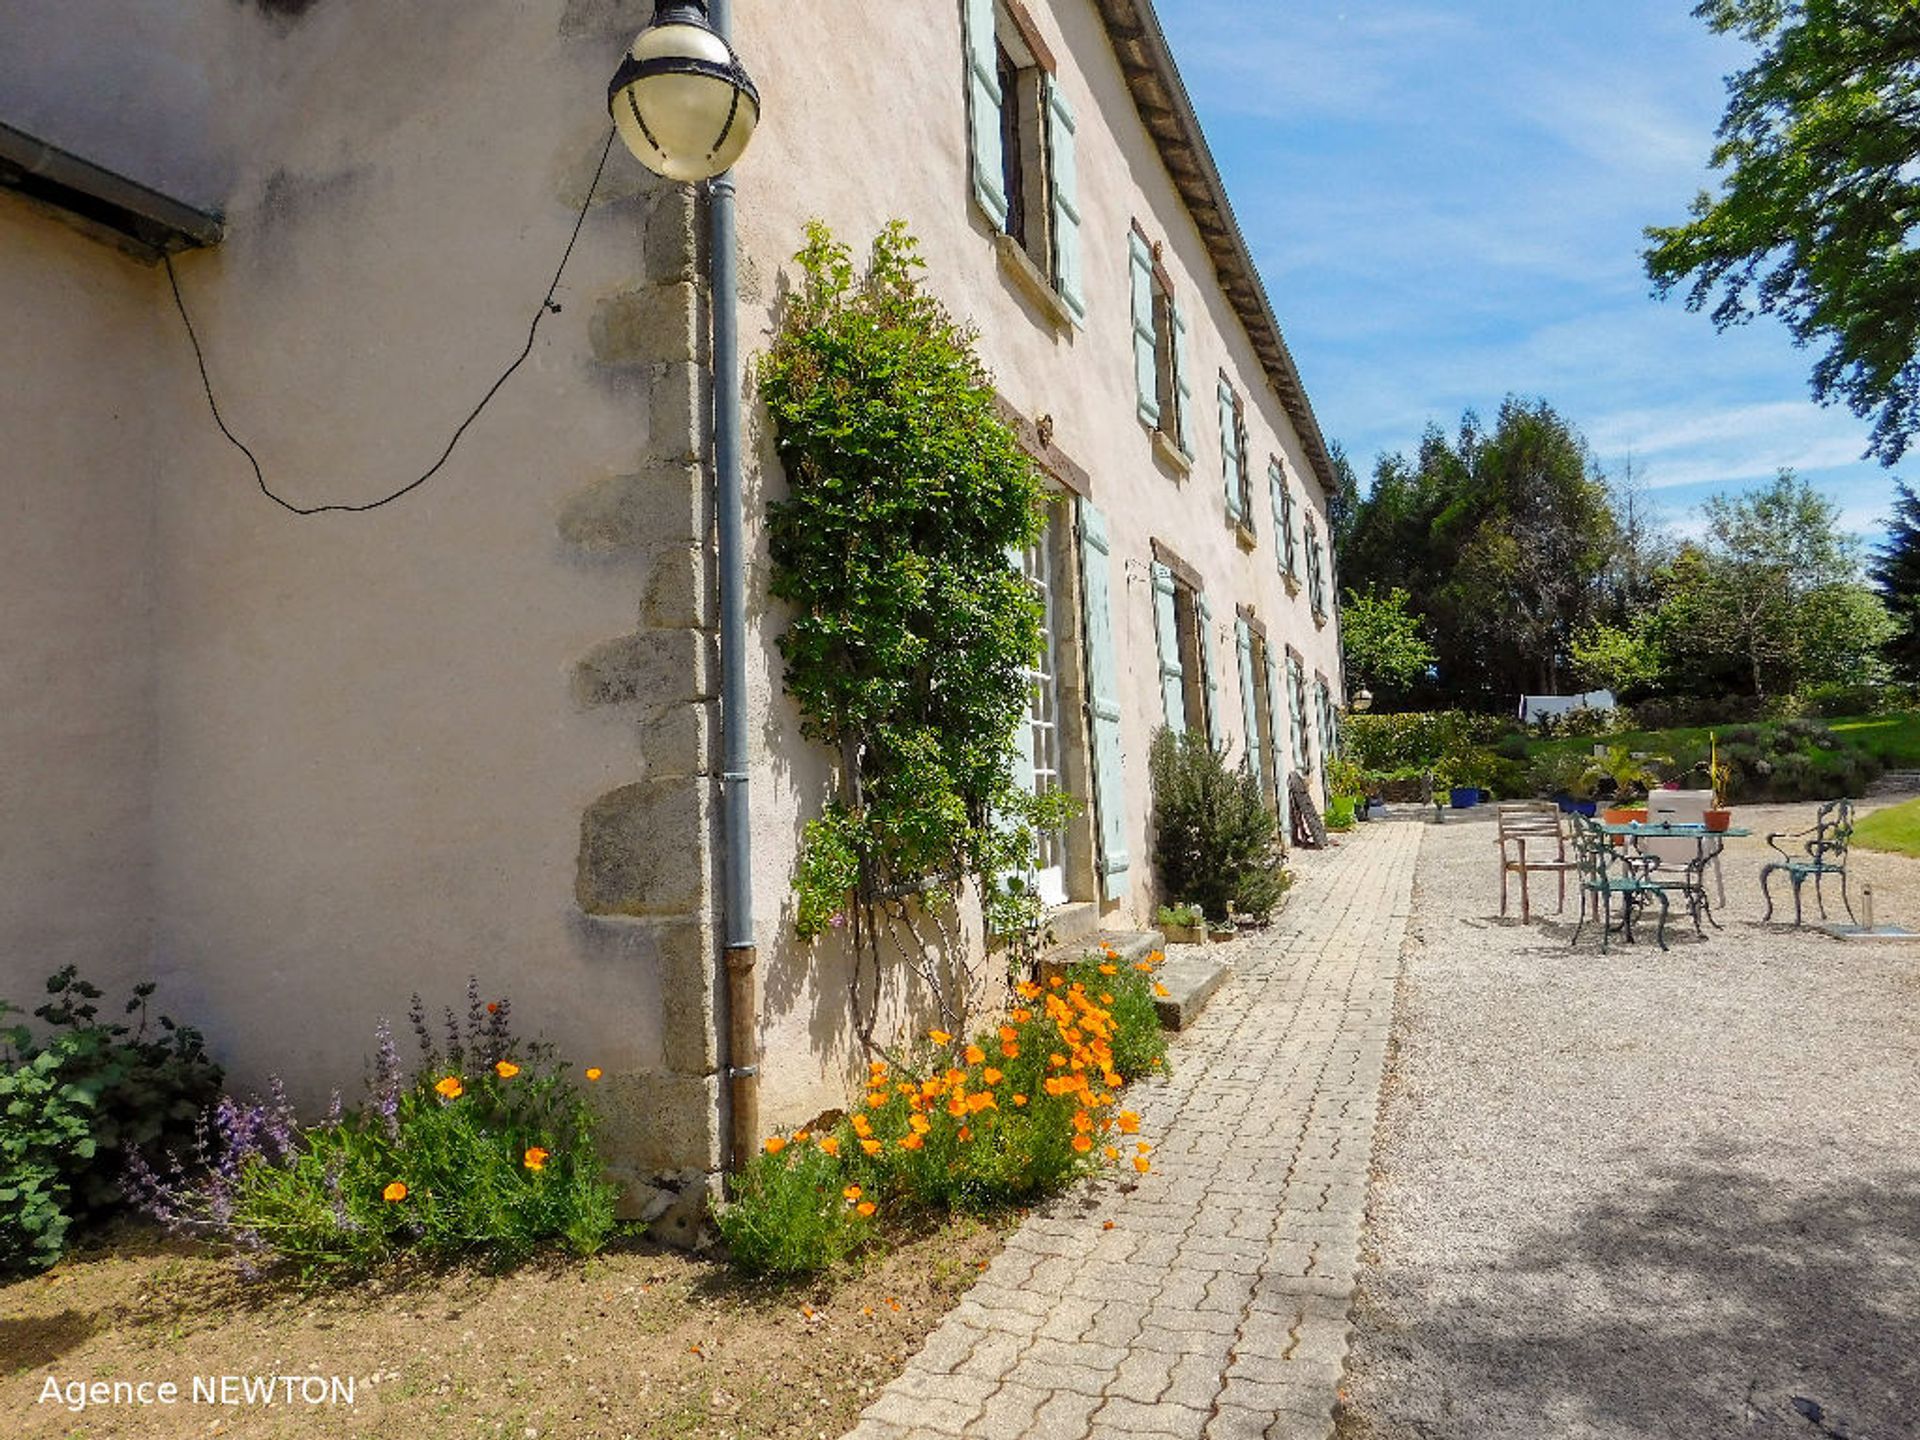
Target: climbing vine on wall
pixel 912 632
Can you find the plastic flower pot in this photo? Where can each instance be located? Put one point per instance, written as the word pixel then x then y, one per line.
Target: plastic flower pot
pixel 1718 820
pixel 1588 808
pixel 1625 814
pixel 1465 797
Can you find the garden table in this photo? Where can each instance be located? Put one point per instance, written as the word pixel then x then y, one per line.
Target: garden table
pixel 1694 882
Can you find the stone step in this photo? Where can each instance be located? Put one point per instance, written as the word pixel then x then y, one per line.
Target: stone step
pixel 1132 946
pixel 1190 976
pixel 1072 923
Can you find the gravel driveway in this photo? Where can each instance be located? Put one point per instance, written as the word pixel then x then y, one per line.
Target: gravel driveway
pixel 1647 1194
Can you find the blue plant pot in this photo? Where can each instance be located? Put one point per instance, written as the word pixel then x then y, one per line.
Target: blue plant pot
pixel 1465 797
pixel 1588 808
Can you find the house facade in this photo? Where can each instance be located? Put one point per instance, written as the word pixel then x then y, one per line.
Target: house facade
pixel 298 767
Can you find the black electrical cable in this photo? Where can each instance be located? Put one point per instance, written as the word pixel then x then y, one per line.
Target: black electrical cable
pixel 547 307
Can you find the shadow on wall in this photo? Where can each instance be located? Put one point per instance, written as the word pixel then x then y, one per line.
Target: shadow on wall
pixel 1700 1301
pixel 286 9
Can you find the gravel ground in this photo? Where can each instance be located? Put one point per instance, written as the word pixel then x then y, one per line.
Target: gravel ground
pixel 1647 1194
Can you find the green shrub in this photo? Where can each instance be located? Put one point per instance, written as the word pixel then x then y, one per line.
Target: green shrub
pixel 45 1139
pixel 141 1087
pixel 1340 813
pixel 1215 842
pixel 1418 739
pixel 487 1150
pixel 1139 1044
pixel 791 1212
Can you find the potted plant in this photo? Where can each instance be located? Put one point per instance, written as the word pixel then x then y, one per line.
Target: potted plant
pixel 1183 924
pixel 1719 818
pixel 1222 929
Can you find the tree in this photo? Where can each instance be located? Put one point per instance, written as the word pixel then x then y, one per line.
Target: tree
pixel 1816 220
pixel 1896 575
pixel 1610 657
pixel 1771 601
pixel 1382 640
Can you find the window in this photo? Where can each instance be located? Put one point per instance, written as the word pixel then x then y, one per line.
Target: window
pixel 1264 723
pixel 1043 714
pixel 1162 373
pixel 1287 553
pixel 1233 459
pixel 1297 714
pixel 1022 131
pixel 1316 575
pixel 1183 630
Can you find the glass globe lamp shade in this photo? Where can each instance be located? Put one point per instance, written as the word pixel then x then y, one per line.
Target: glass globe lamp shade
pixel 681 100
pixel 1363 701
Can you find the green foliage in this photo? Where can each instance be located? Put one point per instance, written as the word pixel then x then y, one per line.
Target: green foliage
pixel 1896 575
pixel 1215 842
pixel 46 1138
pixel 789 1214
pixel 1815 220
pixel 1382 639
pixel 1139 1044
pixel 1182 917
pixel 910 634
pixel 486 1150
pixel 141 1085
pixel 1417 740
pixel 1340 813
pixel 1611 657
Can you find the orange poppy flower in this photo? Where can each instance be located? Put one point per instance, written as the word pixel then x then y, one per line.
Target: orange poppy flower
pixel 1019 1100
pixel 1082 1144
pixel 872 1147
pixel 1129 1122
pixel 775 1145
pixel 395 1193
pixel 1155 957
pixel 1110 1152
pixel 593 1072
pixel 975 1055
pixel 862 1125
pixel 940 1037
pixel 451 1087
pixel 992 1076
pixel 852 1192
pixel 864 1209
pixel 877 1101
pixel 1144 1148
pixel 966 1132
pixel 981 1101
pixel 1109 969
pixel 1143 965
pixel 1160 990
pixel 921 1125
pixel 1142 1164
pixel 829 1145
pixel 913 1141
pixel 535 1159
pixel 1007 1032
pixel 1010 1050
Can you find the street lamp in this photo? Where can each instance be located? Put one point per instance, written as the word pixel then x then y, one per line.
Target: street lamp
pixel 681 99
pixel 1362 701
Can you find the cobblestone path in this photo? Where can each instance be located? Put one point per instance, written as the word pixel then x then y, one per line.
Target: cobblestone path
pixel 1215 1308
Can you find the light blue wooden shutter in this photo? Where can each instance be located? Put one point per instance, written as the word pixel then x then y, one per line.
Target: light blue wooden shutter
pixel 1103 702
pixel 1064 173
pixel 1249 703
pixel 1210 671
pixel 1282 516
pixel 1296 716
pixel 983 111
pixel 1281 790
pixel 1146 349
pixel 1166 631
pixel 1182 379
pixel 1230 450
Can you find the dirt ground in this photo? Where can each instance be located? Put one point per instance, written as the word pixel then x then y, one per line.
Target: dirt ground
pixel 638 1342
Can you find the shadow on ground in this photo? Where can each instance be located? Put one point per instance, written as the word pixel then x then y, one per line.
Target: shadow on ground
pixel 1703 1301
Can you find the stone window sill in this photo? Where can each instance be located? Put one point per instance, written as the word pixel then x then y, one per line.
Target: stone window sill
pixel 1244 533
pixel 1027 275
pixel 1168 454
pixel 1292 584
pixel 1320 619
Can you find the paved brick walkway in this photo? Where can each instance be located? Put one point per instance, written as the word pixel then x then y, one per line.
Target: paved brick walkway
pixel 1216 1306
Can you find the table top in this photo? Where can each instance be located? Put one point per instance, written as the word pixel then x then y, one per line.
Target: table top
pixel 1676 830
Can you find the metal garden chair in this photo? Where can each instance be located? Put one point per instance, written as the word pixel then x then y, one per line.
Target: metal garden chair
pixel 1607 870
pixel 1824 854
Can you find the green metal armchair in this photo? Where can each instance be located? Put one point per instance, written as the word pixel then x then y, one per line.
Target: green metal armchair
pixel 1824 854
pixel 1607 870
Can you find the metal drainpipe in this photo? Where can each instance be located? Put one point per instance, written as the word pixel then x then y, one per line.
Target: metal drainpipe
pixel 738 1027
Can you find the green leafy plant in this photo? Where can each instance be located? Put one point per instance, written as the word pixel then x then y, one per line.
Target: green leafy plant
pixel 1215 840
pixel 791 1212
pixel 911 636
pixel 1340 812
pixel 46 1138
pixel 487 1149
pixel 141 1087
pixel 1180 917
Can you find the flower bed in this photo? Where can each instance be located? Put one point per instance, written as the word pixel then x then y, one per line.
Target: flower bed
pixel 1018 1113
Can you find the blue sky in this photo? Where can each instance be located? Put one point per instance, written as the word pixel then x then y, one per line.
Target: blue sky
pixel 1445 198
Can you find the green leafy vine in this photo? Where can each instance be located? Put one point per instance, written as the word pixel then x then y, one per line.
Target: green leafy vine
pixel 911 633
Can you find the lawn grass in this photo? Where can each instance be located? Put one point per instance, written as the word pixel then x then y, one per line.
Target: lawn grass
pixel 1895 829
pixel 1894 739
